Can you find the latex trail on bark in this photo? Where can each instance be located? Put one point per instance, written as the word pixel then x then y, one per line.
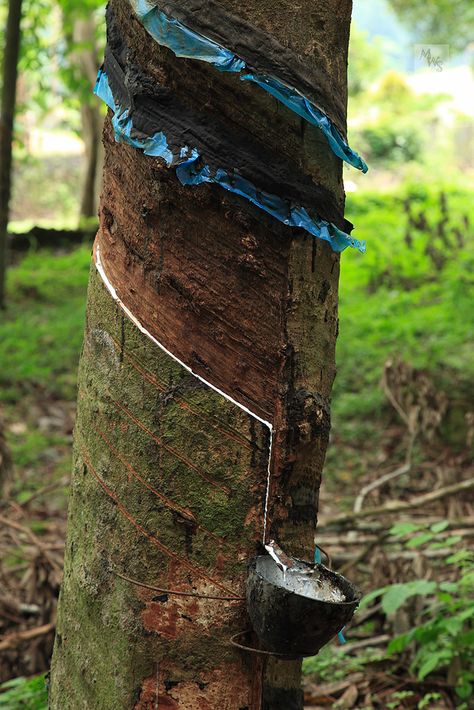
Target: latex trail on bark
pixel 113 293
pixel 184 42
pixel 191 169
pixel 203 149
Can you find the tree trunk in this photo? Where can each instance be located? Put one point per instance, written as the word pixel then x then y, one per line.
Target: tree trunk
pixel 92 123
pixel 10 72
pixel 171 468
pixel 86 58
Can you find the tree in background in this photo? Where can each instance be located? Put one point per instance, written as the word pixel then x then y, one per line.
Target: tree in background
pixel 170 476
pixel 59 59
pixel 83 31
pixel 439 21
pixel 7 113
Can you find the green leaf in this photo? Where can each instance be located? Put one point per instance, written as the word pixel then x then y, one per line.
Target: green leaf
pixel 453 540
pixel 466 639
pixel 393 599
pixel 401 529
pixel 22 692
pixel 445 597
pixel 397 594
pixel 367 598
pixel 422 586
pixel 440 526
pixel 464 690
pixel 437 545
pixel 448 586
pixel 420 540
pixel 459 557
pixel 467 613
pixel 453 626
pixel 399 643
pixel 432 662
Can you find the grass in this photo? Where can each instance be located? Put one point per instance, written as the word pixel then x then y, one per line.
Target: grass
pixel 40 340
pixel 26 693
pixel 41 332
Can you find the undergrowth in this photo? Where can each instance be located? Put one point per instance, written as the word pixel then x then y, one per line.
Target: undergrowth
pixel 409 296
pixel 24 693
pixel 41 330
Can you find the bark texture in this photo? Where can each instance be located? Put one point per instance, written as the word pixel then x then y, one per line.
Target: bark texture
pixel 169 476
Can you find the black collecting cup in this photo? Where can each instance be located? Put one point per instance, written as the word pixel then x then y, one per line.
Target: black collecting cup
pixel 297 611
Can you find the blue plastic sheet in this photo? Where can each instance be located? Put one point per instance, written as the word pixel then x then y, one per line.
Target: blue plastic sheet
pixel 155 145
pixel 191 171
pixel 304 108
pixel 184 42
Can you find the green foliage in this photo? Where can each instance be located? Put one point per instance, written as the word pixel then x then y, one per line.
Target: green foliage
pixel 393 122
pixel 83 34
pixel 365 61
pixel 395 301
pixel 39 28
pixel 427 699
pixel 51 49
pixel 443 642
pixel 438 21
pixel 26 693
pixel 396 697
pixel 332 664
pixel 41 333
pixel 392 141
pixel 46 188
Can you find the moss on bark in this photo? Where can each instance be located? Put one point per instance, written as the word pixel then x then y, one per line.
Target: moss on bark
pixel 170 477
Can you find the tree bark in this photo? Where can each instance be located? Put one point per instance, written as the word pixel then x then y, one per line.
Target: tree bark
pixel 170 476
pixel 9 80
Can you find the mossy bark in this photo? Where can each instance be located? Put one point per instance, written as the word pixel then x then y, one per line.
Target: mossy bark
pixel 169 476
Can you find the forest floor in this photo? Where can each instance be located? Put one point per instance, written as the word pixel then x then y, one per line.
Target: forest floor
pixel 402 435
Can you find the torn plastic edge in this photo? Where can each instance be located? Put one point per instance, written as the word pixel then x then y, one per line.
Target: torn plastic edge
pixel 341 637
pixel 191 171
pixel 183 41
pixel 186 43
pixel 300 105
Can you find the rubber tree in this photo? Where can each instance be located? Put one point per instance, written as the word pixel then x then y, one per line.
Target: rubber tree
pixel 7 113
pixel 206 318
